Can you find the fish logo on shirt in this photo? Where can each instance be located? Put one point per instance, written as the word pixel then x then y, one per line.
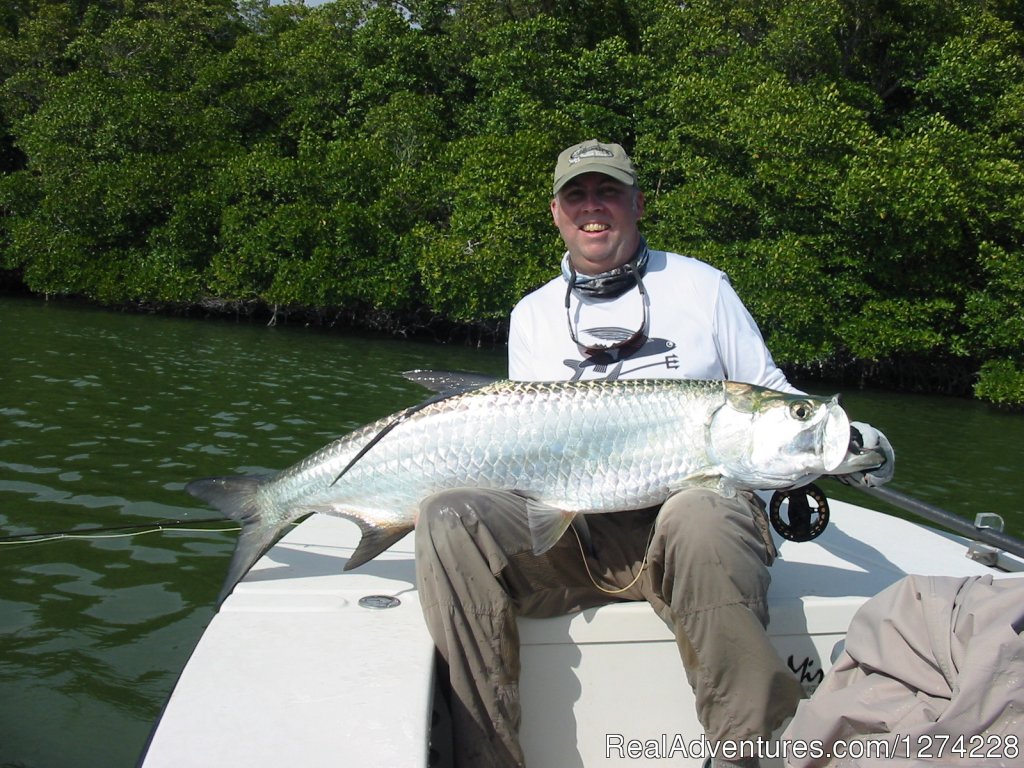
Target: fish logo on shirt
pixel 611 364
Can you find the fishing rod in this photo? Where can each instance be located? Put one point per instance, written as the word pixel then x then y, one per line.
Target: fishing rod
pixel 955 523
pixel 130 529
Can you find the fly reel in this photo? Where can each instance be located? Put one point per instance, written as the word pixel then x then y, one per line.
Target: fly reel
pixel 807 512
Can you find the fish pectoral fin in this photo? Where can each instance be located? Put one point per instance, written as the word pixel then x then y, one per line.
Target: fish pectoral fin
pixel 547 524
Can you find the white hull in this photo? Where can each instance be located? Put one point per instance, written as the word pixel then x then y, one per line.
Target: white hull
pixel 293 671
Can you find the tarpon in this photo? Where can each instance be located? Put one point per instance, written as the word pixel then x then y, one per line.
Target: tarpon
pixel 568 447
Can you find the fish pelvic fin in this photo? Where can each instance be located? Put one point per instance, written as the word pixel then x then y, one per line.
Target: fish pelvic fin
pixel 547 524
pixel 236 498
pixel 374 540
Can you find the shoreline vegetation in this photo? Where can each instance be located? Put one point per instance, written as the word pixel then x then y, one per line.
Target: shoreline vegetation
pixel 856 167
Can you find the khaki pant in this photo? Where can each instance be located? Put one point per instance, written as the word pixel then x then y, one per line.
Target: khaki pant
pixel 706 574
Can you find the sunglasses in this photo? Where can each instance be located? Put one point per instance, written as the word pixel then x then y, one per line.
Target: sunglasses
pixel 596 347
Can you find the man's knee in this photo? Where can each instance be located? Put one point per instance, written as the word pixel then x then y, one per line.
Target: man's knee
pixel 485 514
pixel 701 525
pixel 457 503
pixel 698 517
pixel 446 514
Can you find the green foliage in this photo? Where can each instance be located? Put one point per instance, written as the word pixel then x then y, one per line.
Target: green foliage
pixel 498 240
pixel 856 166
pixel 1001 382
pixel 994 311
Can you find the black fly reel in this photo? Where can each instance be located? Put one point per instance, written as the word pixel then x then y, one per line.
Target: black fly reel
pixel 805 522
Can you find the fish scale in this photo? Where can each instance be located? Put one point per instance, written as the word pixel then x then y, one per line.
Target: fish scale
pixel 569 447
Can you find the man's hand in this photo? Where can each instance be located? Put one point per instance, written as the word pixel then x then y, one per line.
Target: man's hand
pixel 865 439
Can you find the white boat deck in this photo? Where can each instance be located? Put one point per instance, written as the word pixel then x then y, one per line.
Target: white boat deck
pixel 294 671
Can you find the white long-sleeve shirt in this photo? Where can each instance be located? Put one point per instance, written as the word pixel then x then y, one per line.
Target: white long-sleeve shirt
pixel 699 329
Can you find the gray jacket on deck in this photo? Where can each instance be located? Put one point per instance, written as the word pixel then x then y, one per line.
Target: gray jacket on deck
pixel 932 675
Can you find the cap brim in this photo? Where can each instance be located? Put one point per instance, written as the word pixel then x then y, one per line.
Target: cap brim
pixel 618 174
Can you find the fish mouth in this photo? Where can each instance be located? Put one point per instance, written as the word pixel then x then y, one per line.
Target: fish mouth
pixel 835 436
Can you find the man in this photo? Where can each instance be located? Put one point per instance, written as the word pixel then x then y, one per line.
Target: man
pixel 618 310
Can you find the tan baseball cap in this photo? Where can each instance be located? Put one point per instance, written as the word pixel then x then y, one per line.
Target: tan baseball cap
pixel 594 157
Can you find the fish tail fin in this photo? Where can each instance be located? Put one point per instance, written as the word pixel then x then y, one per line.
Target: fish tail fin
pixel 373 541
pixel 236 497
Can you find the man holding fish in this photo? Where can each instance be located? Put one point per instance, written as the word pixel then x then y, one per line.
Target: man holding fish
pixel 619 310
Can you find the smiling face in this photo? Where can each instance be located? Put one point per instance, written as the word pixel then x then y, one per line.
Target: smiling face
pixel 597 217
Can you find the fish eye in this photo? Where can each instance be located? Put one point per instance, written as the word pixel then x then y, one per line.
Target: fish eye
pixel 801 410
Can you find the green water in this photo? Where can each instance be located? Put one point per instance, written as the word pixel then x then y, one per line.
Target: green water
pixel 103 419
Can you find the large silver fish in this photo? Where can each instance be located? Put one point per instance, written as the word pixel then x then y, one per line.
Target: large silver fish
pixel 569 447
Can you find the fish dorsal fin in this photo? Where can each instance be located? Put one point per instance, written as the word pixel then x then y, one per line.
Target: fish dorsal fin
pixel 547 524
pixel 449 382
pixel 395 421
pixel 445 384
